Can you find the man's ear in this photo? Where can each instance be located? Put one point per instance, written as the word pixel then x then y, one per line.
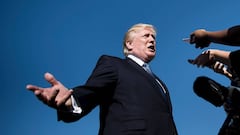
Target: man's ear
pixel 129 45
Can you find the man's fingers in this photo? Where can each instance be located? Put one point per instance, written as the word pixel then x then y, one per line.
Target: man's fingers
pixel 48 98
pixel 51 99
pixel 33 88
pixel 64 98
pixel 51 79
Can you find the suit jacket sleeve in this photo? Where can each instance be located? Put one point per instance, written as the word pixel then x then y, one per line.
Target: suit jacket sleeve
pixel 97 90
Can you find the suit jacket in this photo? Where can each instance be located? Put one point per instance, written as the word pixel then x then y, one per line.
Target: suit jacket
pixel 234 59
pixel 130 100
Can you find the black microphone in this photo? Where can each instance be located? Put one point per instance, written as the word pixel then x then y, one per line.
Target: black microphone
pixel 217 95
pixel 210 90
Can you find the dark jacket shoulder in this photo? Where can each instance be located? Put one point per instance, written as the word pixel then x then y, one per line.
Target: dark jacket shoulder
pixel 109 57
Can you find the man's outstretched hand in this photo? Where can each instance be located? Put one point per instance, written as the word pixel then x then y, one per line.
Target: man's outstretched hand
pixel 57 96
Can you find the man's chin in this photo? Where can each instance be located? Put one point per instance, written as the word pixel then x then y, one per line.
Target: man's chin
pixel 152 54
pixel 150 57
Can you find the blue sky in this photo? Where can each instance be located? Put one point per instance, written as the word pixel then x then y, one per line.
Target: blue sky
pixel 66 37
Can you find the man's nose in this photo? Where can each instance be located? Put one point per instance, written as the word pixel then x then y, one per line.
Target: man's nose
pixel 152 40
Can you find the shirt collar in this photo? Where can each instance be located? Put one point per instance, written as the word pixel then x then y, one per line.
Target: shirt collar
pixel 136 59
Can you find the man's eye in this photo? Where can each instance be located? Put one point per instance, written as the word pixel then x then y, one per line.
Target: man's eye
pixel 146 35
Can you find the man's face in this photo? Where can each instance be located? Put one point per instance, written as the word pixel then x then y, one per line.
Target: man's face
pixel 143 44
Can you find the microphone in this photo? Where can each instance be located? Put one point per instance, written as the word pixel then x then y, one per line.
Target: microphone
pixel 218 95
pixel 210 90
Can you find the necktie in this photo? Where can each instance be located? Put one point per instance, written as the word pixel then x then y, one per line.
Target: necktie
pixel 147 68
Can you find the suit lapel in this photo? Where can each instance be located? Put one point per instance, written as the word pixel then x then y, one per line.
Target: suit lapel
pixel 150 79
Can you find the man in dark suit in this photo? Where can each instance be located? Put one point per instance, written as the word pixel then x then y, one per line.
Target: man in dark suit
pixel 132 100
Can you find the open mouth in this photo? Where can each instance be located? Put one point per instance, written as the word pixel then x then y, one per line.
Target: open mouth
pixel 152 48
